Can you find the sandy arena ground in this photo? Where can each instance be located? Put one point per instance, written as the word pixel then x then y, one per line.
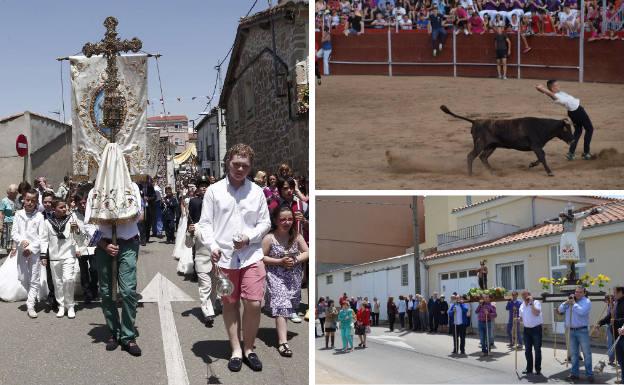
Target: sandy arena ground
pixel 376 132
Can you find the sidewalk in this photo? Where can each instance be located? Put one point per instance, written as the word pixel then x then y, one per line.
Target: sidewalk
pixel 421 350
pixel 441 345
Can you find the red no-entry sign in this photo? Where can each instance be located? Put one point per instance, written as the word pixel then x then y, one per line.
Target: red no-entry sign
pixel 21 145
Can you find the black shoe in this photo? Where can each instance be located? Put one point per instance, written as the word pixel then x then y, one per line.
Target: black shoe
pixel 235 364
pixel 112 344
pixel 527 372
pixel 572 377
pixel 253 362
pixel 538 372
pixel 132 348
pixel 463 353
pixel 209 322
pixel 454 352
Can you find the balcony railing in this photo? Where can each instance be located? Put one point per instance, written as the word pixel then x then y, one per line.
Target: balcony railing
pixel 480 232
pixel 470 232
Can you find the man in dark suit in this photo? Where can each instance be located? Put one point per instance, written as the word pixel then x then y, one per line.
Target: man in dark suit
pixel 149 194
pixel 434 311
pixel 170 207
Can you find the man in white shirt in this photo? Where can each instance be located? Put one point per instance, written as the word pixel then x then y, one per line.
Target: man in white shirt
pixel 234 220
pixel 125 254
pixel 577 114
pixel 530 313
pixel 405 22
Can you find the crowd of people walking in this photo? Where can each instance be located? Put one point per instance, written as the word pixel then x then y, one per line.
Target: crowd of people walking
pixel 250 234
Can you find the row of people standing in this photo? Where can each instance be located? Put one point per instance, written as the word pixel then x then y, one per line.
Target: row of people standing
pixel 58 240
pixel 524 325
pixel 53 209
pixel 350 322
pixel 418 313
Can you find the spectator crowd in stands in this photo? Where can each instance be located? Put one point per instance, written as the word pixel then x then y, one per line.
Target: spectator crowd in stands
pixel 470 16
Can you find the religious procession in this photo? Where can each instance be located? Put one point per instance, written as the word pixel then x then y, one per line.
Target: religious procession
pixel 516 298
pixel 139 243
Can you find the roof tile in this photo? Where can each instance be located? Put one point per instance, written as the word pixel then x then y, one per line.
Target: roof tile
pixel 613 212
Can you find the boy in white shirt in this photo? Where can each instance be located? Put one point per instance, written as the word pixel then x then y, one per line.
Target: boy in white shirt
pixel 577 114
pixel 27 234
pixel 59 232
pixel 203 267
pixel 86 249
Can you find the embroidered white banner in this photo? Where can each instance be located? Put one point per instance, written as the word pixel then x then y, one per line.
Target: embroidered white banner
pixel 89 136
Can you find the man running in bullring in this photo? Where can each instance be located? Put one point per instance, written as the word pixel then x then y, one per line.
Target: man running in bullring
pixel 577 114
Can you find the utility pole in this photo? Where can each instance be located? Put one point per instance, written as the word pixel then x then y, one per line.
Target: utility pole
pixel 416 245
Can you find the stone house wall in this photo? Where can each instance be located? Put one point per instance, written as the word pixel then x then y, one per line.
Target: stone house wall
pixel 255 114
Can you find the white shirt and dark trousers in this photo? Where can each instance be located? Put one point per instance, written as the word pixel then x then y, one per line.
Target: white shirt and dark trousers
pixel 128 241
pixel 532 335
pixel 579 117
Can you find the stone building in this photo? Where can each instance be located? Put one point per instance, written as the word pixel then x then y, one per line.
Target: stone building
pixel 173 127
pixel 261 88
pixel 49 149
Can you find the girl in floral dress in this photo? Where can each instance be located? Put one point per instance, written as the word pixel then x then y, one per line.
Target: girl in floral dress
pixel 285 251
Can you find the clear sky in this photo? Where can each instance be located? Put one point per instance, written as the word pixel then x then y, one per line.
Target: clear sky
pixel 192 36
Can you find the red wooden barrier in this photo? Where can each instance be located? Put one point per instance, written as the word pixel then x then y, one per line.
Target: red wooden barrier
pixel 602 58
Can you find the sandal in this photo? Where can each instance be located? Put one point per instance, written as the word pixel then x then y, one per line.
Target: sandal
pixel 284 350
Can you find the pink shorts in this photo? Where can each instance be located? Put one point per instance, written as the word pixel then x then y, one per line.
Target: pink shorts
pixel 249 283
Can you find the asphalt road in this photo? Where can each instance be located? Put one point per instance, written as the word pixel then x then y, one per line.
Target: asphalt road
pixel 48 350
pixel 416 358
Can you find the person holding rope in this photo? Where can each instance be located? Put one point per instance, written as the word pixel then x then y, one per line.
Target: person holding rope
pixel 530 313
pixel 577 309
pixel 615 320
pixel 512 308
pixel 609 303
pixel 458 314
pixel 486 313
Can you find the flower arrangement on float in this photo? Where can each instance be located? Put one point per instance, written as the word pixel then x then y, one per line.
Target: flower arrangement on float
pixel 586 280
pixel 495 293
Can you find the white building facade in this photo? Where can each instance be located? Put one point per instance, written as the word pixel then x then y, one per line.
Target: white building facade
pixel 211 143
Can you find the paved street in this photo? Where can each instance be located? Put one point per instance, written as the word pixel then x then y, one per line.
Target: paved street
pixel 405 357
pixel 48 350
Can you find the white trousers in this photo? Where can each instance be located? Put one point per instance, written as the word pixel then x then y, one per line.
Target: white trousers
pixel 324 53
pixel 63 273
pixel 205 289
pixel 28 271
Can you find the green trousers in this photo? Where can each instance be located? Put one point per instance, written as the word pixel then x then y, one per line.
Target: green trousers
pixel 126 268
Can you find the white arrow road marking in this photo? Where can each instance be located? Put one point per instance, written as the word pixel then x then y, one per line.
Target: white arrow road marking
pixel 391 340
pixel 386 338
pixel 400 344
pixel 163 291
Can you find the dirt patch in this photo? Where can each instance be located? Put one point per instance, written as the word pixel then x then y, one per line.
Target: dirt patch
pixel 389 133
